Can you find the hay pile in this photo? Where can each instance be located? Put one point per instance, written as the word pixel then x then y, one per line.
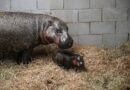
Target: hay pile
pixel 106 70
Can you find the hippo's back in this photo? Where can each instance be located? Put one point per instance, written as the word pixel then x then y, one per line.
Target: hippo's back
pixel 17 31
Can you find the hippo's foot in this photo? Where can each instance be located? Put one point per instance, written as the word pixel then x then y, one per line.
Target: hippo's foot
pixel 24 57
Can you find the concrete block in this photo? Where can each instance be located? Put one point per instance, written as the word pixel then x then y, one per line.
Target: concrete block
pixel 102 3
pixel 102 27
pixel 114 14
pixel 129 37
pixel 48 12
pixel 78 28
pixel 123 27
pixel 4 4
pixel 123 3
pixel 66 15
pixel 24 11
pixel 23 5
pixel 121 38
pixel 129 15
pixel 76 4
pixel 109 40
pixel 73 30
pixel 90 15
pixel 50 4
pixel 90 40
pixel 75 38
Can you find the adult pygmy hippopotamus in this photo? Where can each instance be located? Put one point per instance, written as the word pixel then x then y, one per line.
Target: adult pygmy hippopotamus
pixel 21 32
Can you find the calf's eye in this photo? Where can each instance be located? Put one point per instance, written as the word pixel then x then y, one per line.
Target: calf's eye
pixel 78 58
pixel 81 63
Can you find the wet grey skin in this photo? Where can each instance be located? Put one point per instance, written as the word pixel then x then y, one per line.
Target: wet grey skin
pixel 68 59
pixel 21 32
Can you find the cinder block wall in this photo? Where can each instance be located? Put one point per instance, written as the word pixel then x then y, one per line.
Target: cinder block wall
pixel 93 22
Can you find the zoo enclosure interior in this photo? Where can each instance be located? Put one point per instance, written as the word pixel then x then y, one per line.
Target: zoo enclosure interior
pixel 93 22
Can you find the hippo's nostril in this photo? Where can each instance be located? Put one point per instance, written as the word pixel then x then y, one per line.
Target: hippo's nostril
pixel 70 43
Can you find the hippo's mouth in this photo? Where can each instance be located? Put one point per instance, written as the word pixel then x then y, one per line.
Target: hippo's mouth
pixel 64 45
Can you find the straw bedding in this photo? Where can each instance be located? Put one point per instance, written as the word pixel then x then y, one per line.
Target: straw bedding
pixel 107 69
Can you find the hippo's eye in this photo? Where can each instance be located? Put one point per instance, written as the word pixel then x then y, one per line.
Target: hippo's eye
pixel 58 31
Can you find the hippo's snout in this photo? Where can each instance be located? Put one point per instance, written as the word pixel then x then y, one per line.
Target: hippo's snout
pixel 67 44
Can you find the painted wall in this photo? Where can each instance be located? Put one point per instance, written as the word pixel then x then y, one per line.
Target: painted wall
pixel 93 22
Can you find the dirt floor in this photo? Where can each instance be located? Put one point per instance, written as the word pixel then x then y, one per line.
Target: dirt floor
pixel 107 69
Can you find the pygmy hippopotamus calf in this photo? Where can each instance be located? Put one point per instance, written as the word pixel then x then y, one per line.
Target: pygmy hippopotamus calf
pixel 21 32
pixel 68 59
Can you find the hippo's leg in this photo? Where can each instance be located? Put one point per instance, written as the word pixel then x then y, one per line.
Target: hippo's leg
pixel 24 57
pixel 4 54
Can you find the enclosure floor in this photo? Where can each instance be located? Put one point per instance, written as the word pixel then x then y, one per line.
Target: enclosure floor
pixel 107 69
